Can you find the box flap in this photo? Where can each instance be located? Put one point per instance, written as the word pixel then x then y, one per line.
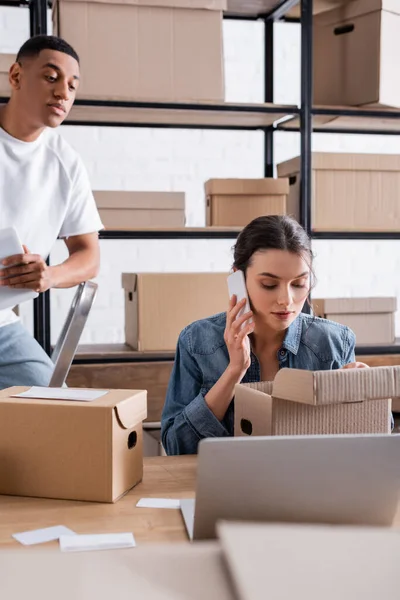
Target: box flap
pixel 342 161
pixel 326 306
pixel 140 200
pixel 190 4
pixel 129 281
pixel 354 9
pixel 243 187
pixel 324 562
pixel 6 60
pixel 338 386
pixel 253 408
pixel 132 411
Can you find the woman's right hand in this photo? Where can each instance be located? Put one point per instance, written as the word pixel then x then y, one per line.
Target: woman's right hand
pixel 237 339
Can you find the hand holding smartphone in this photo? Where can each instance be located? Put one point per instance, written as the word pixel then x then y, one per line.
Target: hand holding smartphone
pixel 237 287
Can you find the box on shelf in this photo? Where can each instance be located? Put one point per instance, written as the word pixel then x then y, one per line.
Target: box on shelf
pixel 371 319
pixel 354 50
pixel 71 450
pixel 300 402
pixel 236 202
pixel 152 445
pixel 171 50
pixel 6 60
pixel 159 305
pixel 350 192
pixel 152 376
pixel 131 210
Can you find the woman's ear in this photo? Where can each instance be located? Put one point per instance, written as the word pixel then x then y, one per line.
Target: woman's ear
pixel 14 76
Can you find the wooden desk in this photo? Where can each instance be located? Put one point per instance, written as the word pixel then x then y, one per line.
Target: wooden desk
pixel 165 477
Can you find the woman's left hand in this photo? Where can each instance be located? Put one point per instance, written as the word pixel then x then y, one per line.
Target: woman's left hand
pixel 356 365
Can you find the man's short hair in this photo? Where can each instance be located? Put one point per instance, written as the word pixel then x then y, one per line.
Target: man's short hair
pixel 32 47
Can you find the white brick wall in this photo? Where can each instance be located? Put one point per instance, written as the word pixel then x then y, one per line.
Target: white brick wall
pixel 146 159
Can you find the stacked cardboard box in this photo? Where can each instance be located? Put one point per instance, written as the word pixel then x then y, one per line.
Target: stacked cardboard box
pixel 167 50
pixel 159 305
pixel 236 202
pixel 131 210
pixel 371 319
pixel 354 50
pixel 350 192
pixel 300 402
pixel 69 449
pixel 6 60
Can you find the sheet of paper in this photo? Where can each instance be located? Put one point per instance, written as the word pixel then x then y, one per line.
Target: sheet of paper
pixel 102 541
pixel 158 503
pixel 40 536
pixel 45 393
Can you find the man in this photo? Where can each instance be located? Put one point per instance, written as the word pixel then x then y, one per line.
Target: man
pixel 44 194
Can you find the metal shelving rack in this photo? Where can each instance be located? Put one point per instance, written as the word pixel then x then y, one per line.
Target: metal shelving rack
pixel 267 117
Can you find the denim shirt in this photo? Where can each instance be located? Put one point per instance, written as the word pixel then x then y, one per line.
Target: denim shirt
pixel 202 356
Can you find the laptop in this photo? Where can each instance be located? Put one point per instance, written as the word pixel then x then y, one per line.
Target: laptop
pixel 338 479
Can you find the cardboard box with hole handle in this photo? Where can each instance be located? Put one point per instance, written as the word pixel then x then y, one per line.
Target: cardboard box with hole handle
pixel 71 450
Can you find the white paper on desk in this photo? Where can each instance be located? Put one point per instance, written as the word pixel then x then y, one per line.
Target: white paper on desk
pixel 40 536
pixel 158 503
pixel 102 541
pixel 45 393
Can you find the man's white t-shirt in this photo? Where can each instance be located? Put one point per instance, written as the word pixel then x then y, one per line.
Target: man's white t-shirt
pixel 45 194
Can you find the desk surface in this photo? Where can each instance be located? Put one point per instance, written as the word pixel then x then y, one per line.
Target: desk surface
pixel 165 477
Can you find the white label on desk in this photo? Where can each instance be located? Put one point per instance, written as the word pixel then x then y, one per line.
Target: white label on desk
pixel 40 536
pixel 102 541
pixel 45 393
pixel 158 503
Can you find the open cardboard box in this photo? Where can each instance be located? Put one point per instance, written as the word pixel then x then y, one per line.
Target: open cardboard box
pixel 300 402
pixel 69 449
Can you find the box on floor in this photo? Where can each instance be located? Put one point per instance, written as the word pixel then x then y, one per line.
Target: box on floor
pixel 6 60
pixel 169 50
pixel 371 319
pixel 130 210
pixel 236 202
pixel 69 449
pixel 350 192
pixel 300 402
pixel 355 46
pixel 159 305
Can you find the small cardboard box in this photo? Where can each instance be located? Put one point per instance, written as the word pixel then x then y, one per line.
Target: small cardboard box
pixel 152 445
pixel 350 192
pixel 236 202
pixel 6 60
pixel 354 50
pixel 71 450
pixel 159 305
pixel 165 50
pixel 371 319
pixel 300 402
pixel 131 210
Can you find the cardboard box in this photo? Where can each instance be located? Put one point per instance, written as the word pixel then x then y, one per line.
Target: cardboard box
pixel 300 402
pixel 236 202
pixel 159 305
pixel 350 192
pixel 371 319
pixel 354 50
pixel 132 210
pixel 310 562
pixel 71 450
pixel 171 50
pixel 152 445
pixel 6 60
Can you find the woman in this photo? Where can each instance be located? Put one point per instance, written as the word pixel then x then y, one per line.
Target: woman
pixel 216 353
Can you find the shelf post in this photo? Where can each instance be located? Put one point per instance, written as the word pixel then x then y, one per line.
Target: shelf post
pixel 306 112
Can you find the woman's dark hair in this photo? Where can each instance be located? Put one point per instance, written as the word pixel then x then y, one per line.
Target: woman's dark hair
pixel 273 232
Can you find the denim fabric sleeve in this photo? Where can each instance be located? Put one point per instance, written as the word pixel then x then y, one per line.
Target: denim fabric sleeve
pixel 186 418
pixel 349 348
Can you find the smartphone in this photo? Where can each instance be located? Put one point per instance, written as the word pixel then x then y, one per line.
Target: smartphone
pixel 237 287
pixel 10 244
